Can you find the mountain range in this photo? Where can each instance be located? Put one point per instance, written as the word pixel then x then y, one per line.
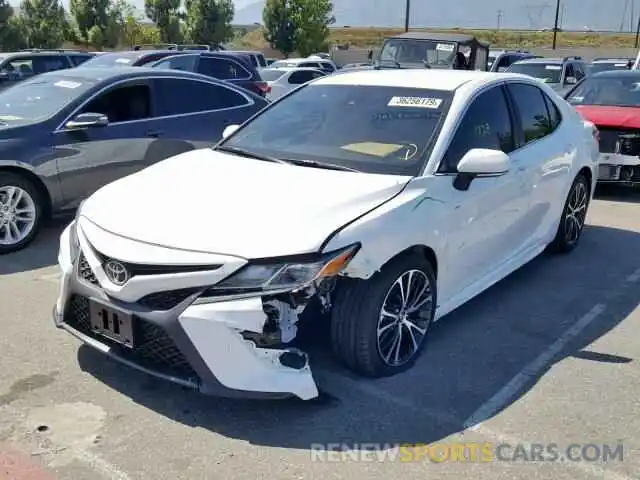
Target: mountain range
pixel 514 14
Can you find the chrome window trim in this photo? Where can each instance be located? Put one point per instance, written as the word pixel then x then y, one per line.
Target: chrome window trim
pixel 249 100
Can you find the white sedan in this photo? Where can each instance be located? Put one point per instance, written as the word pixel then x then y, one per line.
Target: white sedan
pixel 383 198
pixel 281 81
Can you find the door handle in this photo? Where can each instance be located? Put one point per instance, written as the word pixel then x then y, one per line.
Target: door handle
pixel 154 133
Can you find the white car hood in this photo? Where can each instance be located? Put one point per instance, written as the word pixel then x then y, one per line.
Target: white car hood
pixel 214 202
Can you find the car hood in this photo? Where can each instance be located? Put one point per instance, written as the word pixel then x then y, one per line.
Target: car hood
pixel 214 202
pixel 606 116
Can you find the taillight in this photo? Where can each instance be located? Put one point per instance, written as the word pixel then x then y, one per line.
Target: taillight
pixel 596 134
pixel 264 87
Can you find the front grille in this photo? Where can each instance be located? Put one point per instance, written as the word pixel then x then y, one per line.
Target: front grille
pixel 153 348
pixel 84 270
pixel 628 139
pixel 166 300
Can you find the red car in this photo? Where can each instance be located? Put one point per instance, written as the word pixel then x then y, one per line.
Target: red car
pixel 611 101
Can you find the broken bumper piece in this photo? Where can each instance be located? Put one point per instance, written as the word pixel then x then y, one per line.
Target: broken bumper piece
pixel 207 347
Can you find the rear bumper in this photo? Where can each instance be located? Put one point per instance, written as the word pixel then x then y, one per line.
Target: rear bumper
pixel 619 169
pixel 196 346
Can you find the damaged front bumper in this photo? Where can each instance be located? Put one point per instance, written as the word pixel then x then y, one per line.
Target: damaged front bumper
pixel 227 348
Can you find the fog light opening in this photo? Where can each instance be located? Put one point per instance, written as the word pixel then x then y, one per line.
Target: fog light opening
pixel 293 359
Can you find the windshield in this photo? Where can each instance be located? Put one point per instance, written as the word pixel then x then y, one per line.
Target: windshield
pixel 547 72
pixel 39 98
pixel 271 74
pixel 369 128
pixel 606 66
pixel 404 51
pixel 112 60
pixel 610 91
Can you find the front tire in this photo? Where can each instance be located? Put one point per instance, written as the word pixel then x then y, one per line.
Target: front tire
pixel 573 217
pixel 20 212
pixel 379 326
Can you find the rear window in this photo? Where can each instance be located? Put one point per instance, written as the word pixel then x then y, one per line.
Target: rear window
pixel 261 60
pixel 611 91
pixel 370 128
pixel 547 72
pixel 270 74
pixel 606 66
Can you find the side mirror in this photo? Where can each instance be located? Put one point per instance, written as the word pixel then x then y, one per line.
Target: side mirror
pixel 229 130
pixel 87 120
pixel 570 81
pixel 480 162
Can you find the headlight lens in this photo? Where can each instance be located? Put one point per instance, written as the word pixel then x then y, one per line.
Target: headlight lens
pixel 288 276
pixel 73 235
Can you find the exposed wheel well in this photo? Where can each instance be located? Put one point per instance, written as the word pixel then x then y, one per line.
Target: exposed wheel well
pixel 33 178
pixel 426 252
pixel 586 171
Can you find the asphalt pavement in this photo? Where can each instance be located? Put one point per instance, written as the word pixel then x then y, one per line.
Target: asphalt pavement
pixel 549 356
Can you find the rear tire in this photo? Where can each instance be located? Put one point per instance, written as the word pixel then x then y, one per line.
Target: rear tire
pixel 573 217
pixel 368 314
pixel 21 211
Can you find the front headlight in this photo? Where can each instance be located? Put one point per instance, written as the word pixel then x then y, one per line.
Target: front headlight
pixel 282 276
pixel 74 242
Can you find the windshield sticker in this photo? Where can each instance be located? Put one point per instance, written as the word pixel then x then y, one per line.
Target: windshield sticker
pixel 445 47
pixel 552 67
pixel 420 102
pixel 620 65
pixel 123 60
pixel 373 148
pixel 67 84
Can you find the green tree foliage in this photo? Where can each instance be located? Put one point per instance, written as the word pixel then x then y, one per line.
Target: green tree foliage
pixel 279 30
pixel 87 15
pixel 43 23
pixel 209 21
pixel 166 15
pixel 298 25
pixel 11 37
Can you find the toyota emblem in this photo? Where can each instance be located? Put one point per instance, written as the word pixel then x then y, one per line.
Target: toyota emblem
pixel 116 272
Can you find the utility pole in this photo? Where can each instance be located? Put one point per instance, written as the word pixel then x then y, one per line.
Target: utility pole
pixel 638 32
pixel 555 27
pixel 407 14
pixel 500 15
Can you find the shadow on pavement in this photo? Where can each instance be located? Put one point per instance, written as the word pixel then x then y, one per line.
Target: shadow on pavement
pixel 43 252
pixel 472 354
pixel 613 193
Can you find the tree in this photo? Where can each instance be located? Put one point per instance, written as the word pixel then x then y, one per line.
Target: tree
pixel 43 23
pixel 208 22
pixel 298 25
pixel 312 19
pixel 279 29
pixel 165 14
pixel 11 37
pixel 89 14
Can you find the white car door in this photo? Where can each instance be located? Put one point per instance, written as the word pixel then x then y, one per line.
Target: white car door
pixel 544 158
pixel 482 228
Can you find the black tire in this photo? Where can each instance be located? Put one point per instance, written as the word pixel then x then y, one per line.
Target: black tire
pixel 565 241
pixel 10 179
pixel 356 312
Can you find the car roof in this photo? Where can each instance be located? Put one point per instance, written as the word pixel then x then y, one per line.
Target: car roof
pixel 40 53
pixel 633 74
pixel 612 60
pixel 103 74
pixel 434 79
pixel 542 60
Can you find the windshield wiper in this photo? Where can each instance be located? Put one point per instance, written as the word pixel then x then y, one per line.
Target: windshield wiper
pixel 328 166
pixel 249 154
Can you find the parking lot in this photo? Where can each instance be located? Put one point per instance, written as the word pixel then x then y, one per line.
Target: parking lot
pixel 547 356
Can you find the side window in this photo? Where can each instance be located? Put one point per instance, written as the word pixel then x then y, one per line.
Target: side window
pixel 486 124
pixel 309 65
pixel 302 76
pixel 79 59
pixel 327 67
pixel 504 62
pixel 261 60
pixel 43 64
pixel 183 96
pixel 533 111
pixel 181 62
pixel 221 68
pixel 21 67
pixel 569 72
pixel 123 104
pixel 554 114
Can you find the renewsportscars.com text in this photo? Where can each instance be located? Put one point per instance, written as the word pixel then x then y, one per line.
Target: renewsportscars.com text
pixel 467 452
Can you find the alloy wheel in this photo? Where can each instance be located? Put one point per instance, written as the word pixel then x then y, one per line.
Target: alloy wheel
pixel 17 214
pixel 576 213
pixel 404 318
